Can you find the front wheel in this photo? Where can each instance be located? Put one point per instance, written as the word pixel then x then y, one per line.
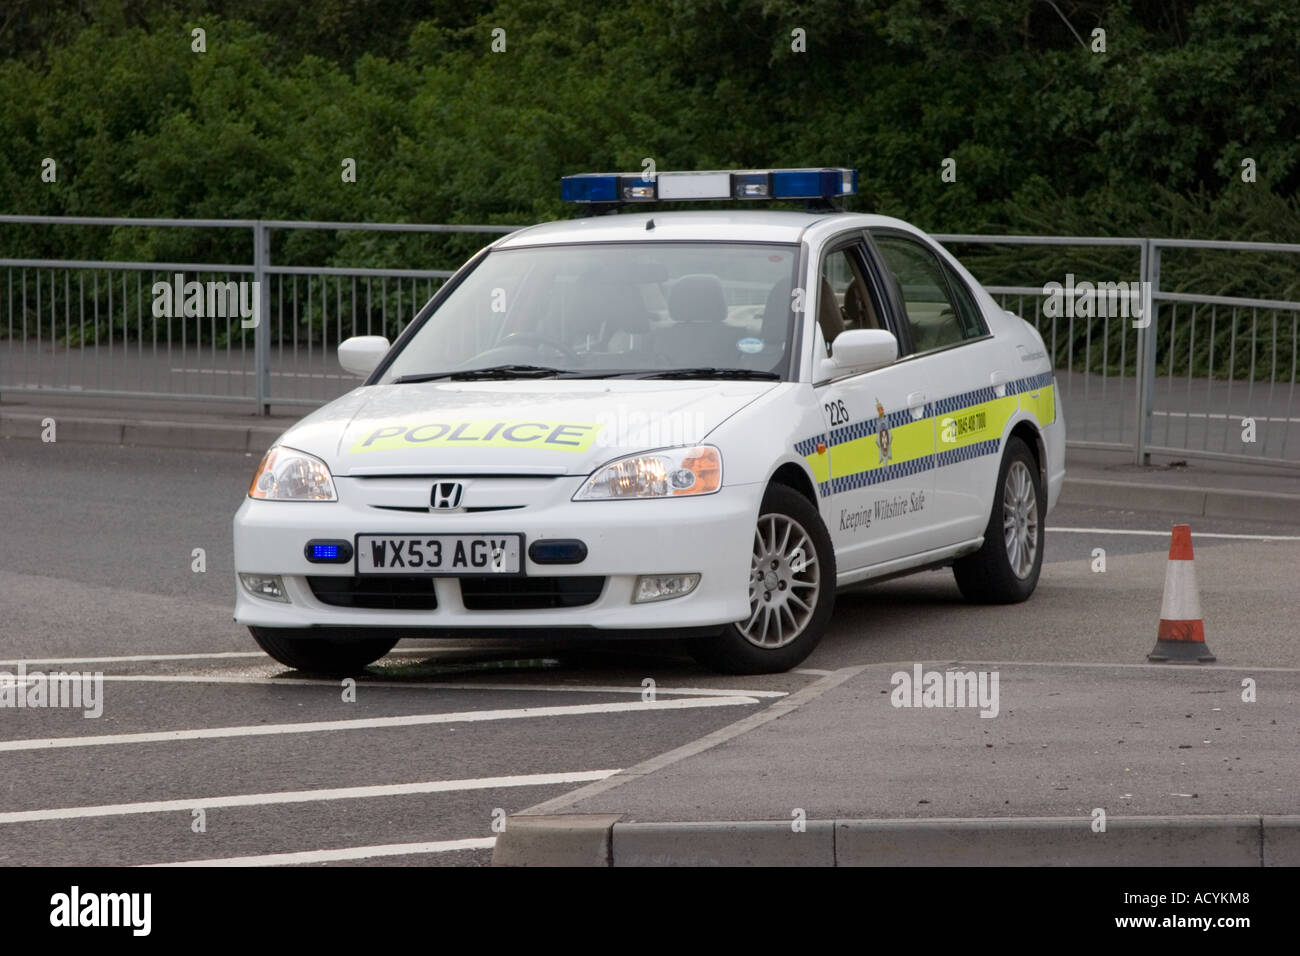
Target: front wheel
pixel 791 591
pixel 1005 570
pixel 320 655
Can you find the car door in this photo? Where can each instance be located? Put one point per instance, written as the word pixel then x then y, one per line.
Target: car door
pixel 970 403
pixel 879 443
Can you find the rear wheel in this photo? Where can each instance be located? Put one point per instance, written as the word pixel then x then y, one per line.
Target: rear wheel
pixel 791 591
pixel 1005 570
pixel 320 655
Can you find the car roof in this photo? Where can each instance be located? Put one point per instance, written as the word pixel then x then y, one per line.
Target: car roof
pixel 750 225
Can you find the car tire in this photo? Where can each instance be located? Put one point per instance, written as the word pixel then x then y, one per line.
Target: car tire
pixel 1005 570
pixel 780 632
pixel 318 654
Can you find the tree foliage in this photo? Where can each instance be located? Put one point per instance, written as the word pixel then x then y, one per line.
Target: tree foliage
pixel 1147 138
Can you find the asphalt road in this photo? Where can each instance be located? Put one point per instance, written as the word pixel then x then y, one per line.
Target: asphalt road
pixel 97 564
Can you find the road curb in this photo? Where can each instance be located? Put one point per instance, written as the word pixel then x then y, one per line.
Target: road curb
pixel 1194 502
pixel 575 839
pixel 192 436
pixel 1241 840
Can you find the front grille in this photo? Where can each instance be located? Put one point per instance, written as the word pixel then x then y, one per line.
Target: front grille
pixel 376 592
pixel 415 592
pixel 529 594
pixel 421 509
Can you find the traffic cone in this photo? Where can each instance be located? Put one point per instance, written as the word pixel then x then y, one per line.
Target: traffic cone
pixel 1181 636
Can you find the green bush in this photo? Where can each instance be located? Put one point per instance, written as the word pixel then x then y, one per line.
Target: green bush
pixel 1048 137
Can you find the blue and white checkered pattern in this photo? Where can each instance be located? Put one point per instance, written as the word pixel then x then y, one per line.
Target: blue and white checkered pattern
pixel 809 445
pixel 841 436
pixel 896 419
pixel 1039 381
pixel 946 406
pixel 871 426
pixel 1030 384
pixel 954 455
pixel 876 475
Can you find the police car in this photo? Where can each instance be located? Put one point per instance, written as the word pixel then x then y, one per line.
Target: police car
pixel 693 424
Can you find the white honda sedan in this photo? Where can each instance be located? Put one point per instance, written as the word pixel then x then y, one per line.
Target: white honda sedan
pixel 661 424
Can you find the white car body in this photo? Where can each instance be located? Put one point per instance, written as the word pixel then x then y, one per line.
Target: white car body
pixel 922 500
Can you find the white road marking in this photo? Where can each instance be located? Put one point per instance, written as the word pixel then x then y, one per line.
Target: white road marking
pixel 815 672
pixel 304 796
pixel 431 685
pixel 602 689
pixel 1156 668
pixel 1195 534
pixel 350 853
pixel 370 723
pixel 132 658
pixel 1226 417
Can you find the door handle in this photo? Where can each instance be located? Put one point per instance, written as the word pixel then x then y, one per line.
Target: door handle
pixel 916 404
pixel 998 379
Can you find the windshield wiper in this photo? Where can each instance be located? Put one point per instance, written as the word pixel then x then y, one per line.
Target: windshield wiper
pixel 493 371
pixel 708 372
pixel 542 371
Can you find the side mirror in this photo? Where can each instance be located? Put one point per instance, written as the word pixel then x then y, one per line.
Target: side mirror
pixel 361 353
pixel 863 350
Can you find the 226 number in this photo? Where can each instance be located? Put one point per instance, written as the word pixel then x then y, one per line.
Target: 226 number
pixel 837 413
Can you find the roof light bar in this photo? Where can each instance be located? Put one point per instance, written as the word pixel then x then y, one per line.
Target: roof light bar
pixel 817 183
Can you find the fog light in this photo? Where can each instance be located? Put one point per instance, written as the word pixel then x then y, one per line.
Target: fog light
pixel 662 587
pixel 266 586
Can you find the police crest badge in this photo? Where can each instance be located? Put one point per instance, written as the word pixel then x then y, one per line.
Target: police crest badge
pixel 882 434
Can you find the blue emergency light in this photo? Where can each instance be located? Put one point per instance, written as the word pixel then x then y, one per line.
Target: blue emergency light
pixel 803 184
pixel 327 551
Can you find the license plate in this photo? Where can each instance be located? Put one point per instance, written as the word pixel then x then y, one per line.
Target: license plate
pixel 447 554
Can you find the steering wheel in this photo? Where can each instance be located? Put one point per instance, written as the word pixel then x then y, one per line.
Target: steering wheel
pixel 534 339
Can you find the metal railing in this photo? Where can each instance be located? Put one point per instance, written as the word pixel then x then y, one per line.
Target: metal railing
pixel 1194 375
pixel 89 327
pixel 1208 375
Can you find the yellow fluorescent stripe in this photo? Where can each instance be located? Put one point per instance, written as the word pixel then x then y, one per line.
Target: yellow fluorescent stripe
pixel 1041 404
pixel 913 440
pixel 966 426
pixel 820 465
pixel 975 423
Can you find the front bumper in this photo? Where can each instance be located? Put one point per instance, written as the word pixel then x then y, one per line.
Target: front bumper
pixel 711 535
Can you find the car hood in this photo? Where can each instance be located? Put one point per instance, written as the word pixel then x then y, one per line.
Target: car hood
pixel 548 427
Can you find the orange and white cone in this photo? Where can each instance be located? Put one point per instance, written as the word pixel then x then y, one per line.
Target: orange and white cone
pixel 1181 636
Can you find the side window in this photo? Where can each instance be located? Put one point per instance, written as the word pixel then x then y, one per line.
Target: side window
pixel 935 319
pixel 846 299
pixel 972 325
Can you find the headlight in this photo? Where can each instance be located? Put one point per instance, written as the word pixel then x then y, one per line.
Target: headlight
pixel 287 474
pixel 670 473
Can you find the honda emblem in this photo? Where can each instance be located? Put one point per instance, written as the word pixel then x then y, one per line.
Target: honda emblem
pixel 446 495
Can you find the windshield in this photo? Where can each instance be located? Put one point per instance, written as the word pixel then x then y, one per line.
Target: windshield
pixel 612 308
